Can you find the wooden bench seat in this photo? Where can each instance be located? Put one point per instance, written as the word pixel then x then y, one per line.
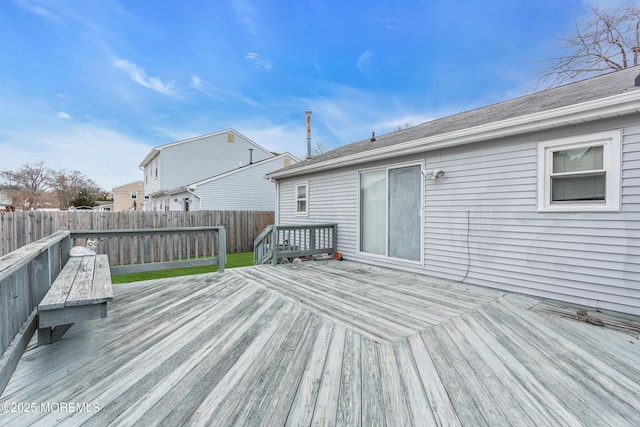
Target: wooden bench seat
pixel 80 292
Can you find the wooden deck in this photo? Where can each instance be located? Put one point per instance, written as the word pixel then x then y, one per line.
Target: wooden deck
pixel 328 343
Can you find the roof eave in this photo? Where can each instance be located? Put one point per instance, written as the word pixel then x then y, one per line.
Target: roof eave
pixel 152 154
pixel 617 105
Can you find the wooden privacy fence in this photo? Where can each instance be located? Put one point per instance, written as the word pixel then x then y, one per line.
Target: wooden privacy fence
pixel 20 228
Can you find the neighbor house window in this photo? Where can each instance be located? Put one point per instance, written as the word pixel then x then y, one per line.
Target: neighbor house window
pixel 134 194
pixel 302 198
pixel 580 173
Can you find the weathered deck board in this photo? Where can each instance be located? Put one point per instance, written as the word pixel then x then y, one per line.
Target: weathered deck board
pixel 330 343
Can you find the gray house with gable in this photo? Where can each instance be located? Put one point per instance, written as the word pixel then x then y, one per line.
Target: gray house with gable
pixel 179 164
pixel 538 194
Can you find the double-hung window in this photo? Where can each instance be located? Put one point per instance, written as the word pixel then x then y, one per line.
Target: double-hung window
pixel 302 198
pixel 580 174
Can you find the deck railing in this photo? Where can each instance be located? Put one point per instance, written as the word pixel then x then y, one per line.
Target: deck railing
pixel 26 274
pixel 278 242
pixel 132 251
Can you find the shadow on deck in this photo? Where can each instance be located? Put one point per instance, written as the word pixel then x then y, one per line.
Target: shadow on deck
pixel 328 343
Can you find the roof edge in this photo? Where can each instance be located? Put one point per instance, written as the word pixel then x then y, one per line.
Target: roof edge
pixel 620 104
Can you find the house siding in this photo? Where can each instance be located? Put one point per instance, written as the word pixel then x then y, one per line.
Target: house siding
pixel 191 161
pixel 481 224
pixel 247 189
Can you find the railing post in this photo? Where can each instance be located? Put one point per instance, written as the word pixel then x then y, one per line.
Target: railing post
pixel 334 243
pixel 312 238
pixel 274 245
pixel 222 249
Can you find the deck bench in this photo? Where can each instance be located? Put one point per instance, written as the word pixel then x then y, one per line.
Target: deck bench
pixel 80 292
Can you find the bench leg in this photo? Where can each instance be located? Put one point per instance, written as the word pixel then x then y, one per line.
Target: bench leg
pixel 51 335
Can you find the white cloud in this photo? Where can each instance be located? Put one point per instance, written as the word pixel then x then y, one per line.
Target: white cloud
pixel 196 82
pixel 139 75
pixel 63 115
pixel 364 63
pixel 257 61
pixel 246 12
pixel 214 92
pixel 33 7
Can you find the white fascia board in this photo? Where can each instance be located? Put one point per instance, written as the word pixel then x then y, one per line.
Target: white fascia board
pixel 154 152
pixel 617 105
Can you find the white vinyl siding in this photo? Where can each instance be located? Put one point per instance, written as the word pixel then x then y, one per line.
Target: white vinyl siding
pixel 482 224
pixel 186 163
pixel 332 201
pixel 246 189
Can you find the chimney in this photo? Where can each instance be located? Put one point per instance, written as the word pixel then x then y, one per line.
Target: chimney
pixel 250 156
pixel 308 113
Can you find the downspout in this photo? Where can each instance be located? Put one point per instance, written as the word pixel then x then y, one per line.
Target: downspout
pixel 195 195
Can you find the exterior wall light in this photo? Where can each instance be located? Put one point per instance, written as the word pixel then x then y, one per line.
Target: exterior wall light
pixel 433 173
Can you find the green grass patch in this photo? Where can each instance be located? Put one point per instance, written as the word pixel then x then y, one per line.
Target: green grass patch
pixel 242 259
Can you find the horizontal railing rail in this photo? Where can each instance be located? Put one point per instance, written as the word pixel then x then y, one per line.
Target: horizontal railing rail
pixel 278 242
pixel 132 251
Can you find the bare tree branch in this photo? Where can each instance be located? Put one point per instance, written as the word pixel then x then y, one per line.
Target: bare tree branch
pixel 608 41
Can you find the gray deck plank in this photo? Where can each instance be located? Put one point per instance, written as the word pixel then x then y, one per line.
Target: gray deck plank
pixel 394 393
pixel 162 393
pixel 373 407
pixel 350 399
pixel 326 408
pixel 566 383
pixel 301 411
pixel 330 343
pixel 288 384
pixel 417 401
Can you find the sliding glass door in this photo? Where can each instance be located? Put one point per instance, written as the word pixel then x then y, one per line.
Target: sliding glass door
pixel 390 207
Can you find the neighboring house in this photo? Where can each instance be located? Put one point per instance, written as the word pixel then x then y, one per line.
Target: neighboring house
pixel 184 162
pixel 129 197
pixel 240 189
pixel 538 195
pixel 103 206
pixel 5 202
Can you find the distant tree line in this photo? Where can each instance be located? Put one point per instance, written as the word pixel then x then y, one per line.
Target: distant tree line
pixel 35 186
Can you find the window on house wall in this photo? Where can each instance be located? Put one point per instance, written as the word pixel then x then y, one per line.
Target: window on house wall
pixel 134 194
pixel 302 198
pixel 580 173
pixel 390 207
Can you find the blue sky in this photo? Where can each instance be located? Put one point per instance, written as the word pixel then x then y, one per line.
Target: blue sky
pixel 93 85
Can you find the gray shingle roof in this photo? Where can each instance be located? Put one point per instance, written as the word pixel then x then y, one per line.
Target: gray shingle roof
pixel 585 90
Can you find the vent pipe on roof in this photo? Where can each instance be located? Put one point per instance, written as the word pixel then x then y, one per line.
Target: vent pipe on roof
pixel 250 156
pixel 308 113
pixel 637 82
pixel 373 137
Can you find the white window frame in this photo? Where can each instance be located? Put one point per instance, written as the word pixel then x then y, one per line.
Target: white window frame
pixel 306 199
pixel 134 194
pixel 611 142
pixel 386 257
